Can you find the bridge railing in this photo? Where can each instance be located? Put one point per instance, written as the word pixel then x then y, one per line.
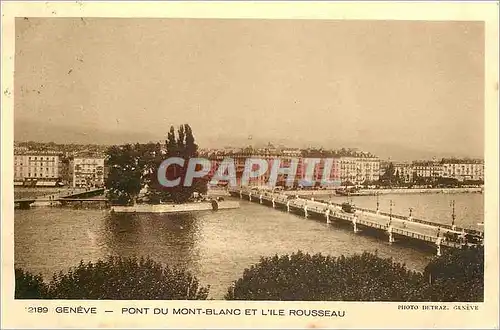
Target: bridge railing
pixel 425 222
pixel 395 216
pixel 371 224
pixel 413 234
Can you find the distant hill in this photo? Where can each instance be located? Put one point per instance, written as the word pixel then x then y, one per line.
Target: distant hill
pixel 26 130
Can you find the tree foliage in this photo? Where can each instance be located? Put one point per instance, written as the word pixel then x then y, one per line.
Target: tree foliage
pixel 29 286
pixel 124 180
pixel 183 146
pixel 133 167
pixel 447 182
pixel 457 276
pixel 316 277
pixel 389 177
pixel 117 279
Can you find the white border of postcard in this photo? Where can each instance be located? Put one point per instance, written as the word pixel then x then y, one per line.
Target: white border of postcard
pixel 358 314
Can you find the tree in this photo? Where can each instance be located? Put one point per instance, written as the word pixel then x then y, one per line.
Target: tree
pixel 125 177
pixel 171 143
pixel 181 141
pixel 115 278
pixel 300 276
pixel 133 167
pixel 458 275
pixel 182 146
pixel 398 178
pixel 368 183
pixel 190 145
pixel 447 182
pixel 152 156
pixel 29 286
pixel 388 178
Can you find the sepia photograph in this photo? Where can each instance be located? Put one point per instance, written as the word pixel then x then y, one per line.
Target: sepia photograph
pixel 249 159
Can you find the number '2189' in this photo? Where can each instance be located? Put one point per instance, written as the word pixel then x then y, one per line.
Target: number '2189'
pixel 40 310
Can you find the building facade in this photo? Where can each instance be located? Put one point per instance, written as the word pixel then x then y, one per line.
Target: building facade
pixel 404 171
pixel 87 172
pixel 37 168
pixel 357 169
pixel 427 169
pixel 367 169
pixel 463 169
pixel 460 169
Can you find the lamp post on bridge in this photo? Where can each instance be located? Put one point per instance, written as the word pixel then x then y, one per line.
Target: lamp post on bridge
pixel 389 225
pixel 409 218
pixel 391 204
pixel 378 202
pixel 452 204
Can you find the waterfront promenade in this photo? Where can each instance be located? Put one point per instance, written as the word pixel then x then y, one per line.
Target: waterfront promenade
pixel 64 196
pixel 395 226
pixel 388 191
pixel 374 192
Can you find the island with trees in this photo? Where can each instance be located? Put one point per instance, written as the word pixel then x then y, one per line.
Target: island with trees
pixel 132 183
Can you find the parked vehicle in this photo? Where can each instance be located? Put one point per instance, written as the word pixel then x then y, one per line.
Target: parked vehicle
pixel 462 238
pixel 348 208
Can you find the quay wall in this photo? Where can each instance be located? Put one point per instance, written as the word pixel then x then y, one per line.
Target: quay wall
pixel 175 208
pixel 374 192
pixel 421 191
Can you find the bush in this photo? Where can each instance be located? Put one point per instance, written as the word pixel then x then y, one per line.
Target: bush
pixel 123 278
pixel 29 286
pixel 458 275
pixel 300 276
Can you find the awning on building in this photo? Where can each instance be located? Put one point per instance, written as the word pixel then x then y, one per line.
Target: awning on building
pixel 46 184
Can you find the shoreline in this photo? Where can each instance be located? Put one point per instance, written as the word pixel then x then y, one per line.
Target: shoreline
pixel 400 191
pixel 177 208
pixel 421 191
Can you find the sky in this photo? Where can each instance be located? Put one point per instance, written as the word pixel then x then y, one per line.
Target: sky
pixel 400 89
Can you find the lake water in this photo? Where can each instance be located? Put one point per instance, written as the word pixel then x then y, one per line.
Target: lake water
pixel 215 246
pixel 469 207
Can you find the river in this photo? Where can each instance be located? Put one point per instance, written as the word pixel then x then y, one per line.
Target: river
pixel 215 246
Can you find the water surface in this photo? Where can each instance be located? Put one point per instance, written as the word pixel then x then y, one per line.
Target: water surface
pixel 215 246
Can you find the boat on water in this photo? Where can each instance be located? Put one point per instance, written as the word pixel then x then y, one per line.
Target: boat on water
pixel 355 194
pixel 344 192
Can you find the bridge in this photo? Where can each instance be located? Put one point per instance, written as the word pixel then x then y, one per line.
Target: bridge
pixel 79 196
pixel 396 227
